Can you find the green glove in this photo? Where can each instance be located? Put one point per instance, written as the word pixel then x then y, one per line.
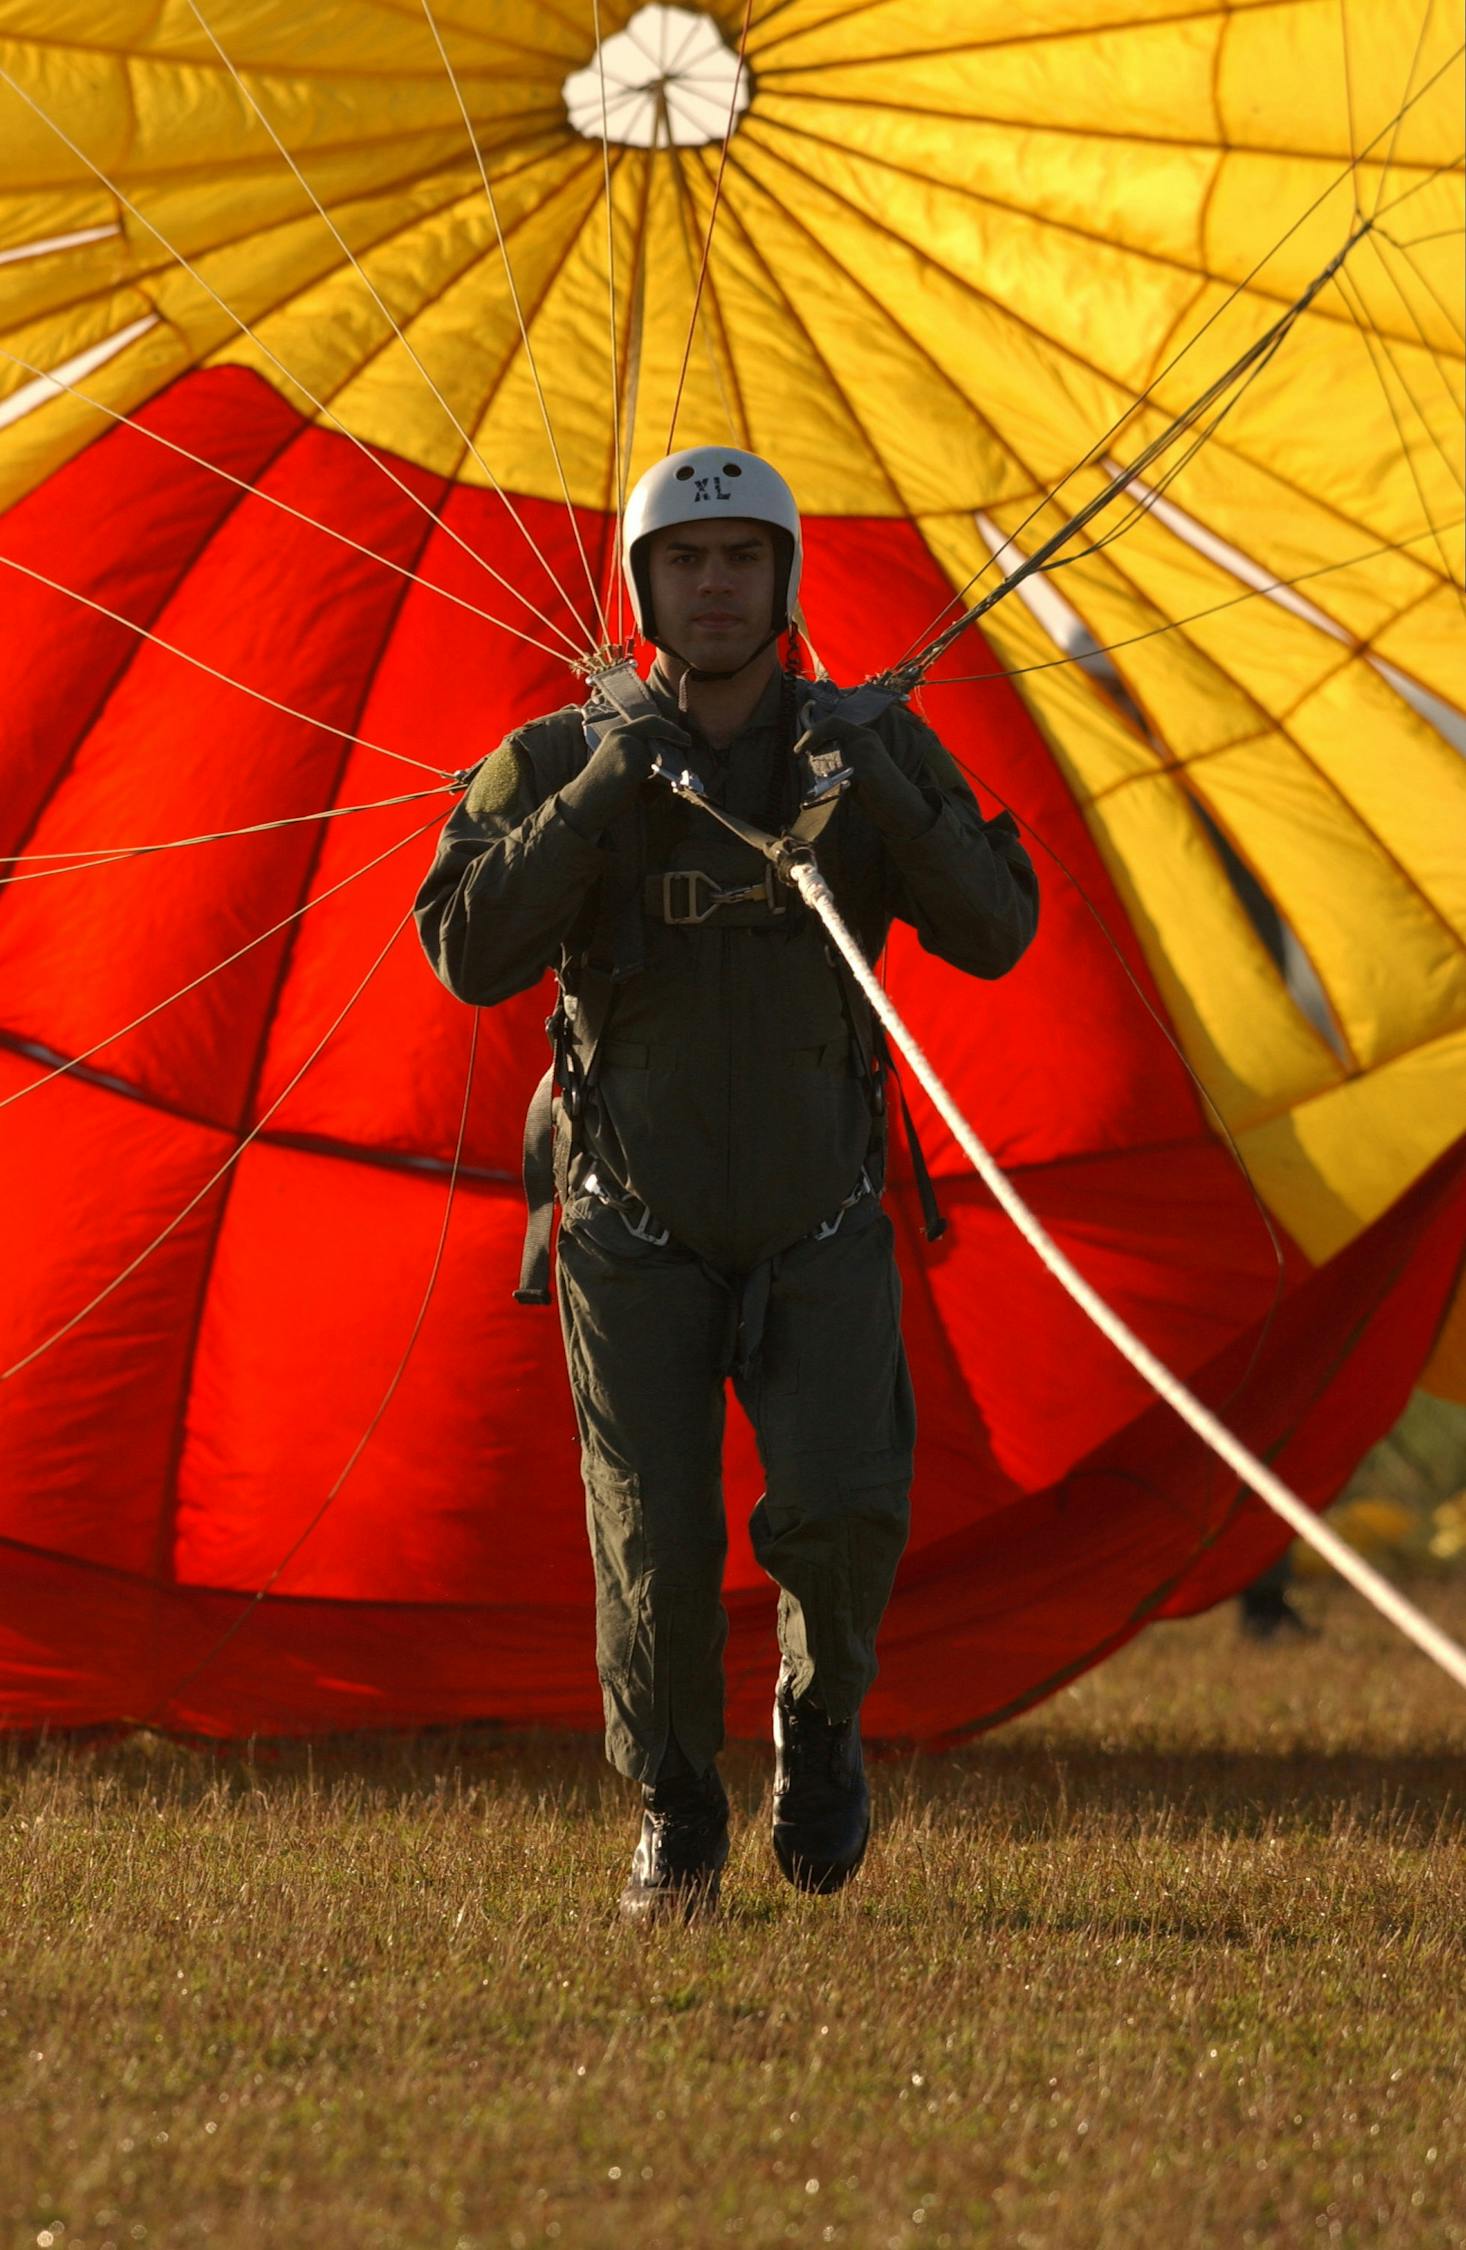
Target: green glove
pixel 609 781
pixel 887 796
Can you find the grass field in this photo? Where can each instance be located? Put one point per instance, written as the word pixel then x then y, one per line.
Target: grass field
pixel 1177 1959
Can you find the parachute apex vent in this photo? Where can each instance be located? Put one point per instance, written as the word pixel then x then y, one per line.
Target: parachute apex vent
pixel 668 79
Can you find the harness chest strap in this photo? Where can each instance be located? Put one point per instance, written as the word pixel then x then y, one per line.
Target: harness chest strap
pixel 686 897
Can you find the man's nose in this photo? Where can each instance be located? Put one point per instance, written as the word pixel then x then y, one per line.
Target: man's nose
pixel 714 575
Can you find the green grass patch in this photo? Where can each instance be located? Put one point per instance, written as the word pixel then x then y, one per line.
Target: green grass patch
pixel 1176 1959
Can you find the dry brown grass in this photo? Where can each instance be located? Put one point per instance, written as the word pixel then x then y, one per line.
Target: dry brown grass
pixel 1175 1960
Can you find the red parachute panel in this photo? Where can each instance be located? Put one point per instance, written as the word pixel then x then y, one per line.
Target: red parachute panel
pixel 175 1452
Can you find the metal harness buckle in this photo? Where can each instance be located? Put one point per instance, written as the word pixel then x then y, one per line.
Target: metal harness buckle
pixel 642 1229
pixel 645 1229
pixel 688 908
pixel 863 1187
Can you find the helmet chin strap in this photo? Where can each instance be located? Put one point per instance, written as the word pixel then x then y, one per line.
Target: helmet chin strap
pixel 695 674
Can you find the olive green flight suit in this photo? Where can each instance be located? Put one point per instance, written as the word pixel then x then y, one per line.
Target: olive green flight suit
pixel 720 1192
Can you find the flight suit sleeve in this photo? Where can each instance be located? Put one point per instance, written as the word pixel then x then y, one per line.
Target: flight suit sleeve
pixel 510 874
pixel 966 885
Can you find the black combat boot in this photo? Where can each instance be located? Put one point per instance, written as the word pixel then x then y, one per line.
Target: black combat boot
pixel 677 1867
pixel 821 1802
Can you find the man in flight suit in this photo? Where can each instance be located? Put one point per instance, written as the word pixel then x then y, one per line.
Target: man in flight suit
pixel 719 1148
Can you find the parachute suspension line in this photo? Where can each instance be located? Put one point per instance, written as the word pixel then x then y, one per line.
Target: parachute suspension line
pixel 81 857
pixel 1100 445
pixel 387 314
pixel 1361 317
pixel 1382 355
pixel 271 499
pixel 1149 495
pixel 578 655
pixel 1350 127
pixel 619 436
pixel 1253 1473
pixel 1374 348
pixel 1417 241
pixel 1253 362
pixel 737 424
pixel 707 247
pixel 529 351
pixel 216 1649
pixel 1427 179
pixel 74 1062
pixel 256 695
pixel 1447 312
pixel 95 1302
pixel 1437 358
pixel 1427 12
pixel 1193 617
pixel 911 669
pixel 635 291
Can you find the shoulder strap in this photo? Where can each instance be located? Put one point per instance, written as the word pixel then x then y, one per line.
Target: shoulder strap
pixel 617 943
pixel 859 705
pixel 619 692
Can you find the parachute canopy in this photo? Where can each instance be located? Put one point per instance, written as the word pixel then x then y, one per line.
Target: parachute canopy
pixel 328 342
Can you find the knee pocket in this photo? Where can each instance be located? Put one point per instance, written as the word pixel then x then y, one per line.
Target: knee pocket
pixel 652 1556
pixel 614 1523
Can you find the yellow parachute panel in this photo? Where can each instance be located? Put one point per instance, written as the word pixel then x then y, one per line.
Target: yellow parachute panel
pixel 947 258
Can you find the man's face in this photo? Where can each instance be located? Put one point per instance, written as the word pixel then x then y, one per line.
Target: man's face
pixel 712 588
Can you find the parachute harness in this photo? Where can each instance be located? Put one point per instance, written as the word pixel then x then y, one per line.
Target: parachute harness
pixel 684 896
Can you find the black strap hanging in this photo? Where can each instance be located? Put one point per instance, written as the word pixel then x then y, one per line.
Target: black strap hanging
pixel 934 1224
pixel 539 1193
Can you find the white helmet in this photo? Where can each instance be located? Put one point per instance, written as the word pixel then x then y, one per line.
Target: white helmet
pixel 695 485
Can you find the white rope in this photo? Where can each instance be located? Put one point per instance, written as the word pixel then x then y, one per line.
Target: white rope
pixel 1391 1603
